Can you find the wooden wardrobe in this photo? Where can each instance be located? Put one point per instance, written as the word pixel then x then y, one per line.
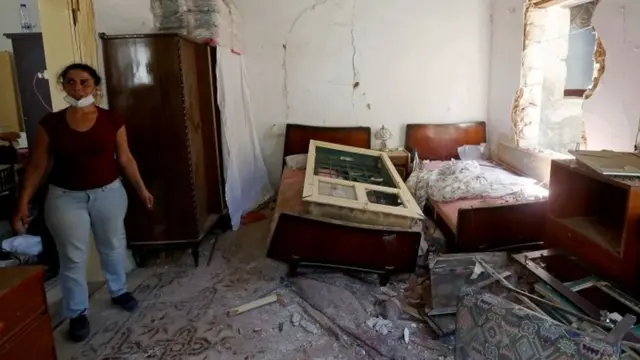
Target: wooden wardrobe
pixel 164 85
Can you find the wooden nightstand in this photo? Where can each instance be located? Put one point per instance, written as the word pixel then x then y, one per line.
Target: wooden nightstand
pixel 400 158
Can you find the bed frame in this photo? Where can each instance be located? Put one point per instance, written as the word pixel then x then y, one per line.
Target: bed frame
pixel 305 240
pixel 493 227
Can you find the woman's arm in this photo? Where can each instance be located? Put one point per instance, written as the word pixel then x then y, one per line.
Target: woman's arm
pixel 36 167
pixel 130 167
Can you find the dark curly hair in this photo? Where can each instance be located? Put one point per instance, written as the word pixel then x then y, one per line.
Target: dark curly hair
pixel 82 67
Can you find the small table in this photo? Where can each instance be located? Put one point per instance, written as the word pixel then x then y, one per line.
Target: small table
pixel 401 160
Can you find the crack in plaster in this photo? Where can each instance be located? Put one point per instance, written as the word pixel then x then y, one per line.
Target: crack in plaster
pixel 354 70
pixel 285 89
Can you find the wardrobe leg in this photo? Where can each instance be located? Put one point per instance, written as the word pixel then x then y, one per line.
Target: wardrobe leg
pixel 195 252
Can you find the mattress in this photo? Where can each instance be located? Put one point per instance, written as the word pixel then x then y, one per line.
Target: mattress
pixel 448 210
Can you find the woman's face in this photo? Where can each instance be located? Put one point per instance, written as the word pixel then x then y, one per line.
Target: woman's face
pixel 78 84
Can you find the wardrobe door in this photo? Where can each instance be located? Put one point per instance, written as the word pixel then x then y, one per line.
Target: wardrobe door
pixel 143 76
pixel 194 101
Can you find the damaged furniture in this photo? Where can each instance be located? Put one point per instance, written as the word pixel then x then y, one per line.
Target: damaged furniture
pixel 164 85
pixel 301 238
pixel 595 218
pixel 474 224
pixel 567 281
pixel 25 324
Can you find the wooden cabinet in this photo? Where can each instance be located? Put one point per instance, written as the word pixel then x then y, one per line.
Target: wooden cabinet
pixel 35 95
pixel 164 85
pixel 400 159
pixel 594 218
pixel 25 325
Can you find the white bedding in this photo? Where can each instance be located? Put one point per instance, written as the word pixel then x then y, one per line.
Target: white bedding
pixel 456 179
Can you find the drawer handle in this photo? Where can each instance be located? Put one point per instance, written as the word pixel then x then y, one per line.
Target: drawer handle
pixel 1 327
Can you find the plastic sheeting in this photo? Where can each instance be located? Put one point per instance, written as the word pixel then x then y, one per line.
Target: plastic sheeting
pixel 247 181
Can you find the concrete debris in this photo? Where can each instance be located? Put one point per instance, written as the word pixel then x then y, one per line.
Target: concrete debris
pixel 385 290
pixel 280 327
pixel 309 327
pixel 257 330
pixel 380 325
pixel 391 309
pixel 406 335
pixel 295 319
pixel 381 297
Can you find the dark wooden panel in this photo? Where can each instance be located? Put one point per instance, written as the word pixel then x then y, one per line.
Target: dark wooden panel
pixel 192 84
pixel 493 228
pixel 28 53
pixel 297 137
pixel 503 226
pixel 25 325
pixel 21 298
pixel 144 85
pixel 441 141
pixel 36 342
pixel 331 243
pixel 211 134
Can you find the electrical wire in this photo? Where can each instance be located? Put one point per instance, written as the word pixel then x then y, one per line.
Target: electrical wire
pixel 35 78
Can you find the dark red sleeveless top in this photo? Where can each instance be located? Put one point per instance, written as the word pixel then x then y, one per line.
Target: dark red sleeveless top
pixel 83 160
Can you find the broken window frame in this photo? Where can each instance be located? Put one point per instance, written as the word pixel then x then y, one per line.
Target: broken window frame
pixel 579 92
pixel 409 208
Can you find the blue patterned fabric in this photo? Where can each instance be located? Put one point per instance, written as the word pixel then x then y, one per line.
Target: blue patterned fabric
pixel 488 327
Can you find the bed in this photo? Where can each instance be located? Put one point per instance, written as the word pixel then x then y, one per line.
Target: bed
pixel 301 239
pixel 470 225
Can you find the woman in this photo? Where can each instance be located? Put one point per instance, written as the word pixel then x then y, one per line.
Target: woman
pixel 89 146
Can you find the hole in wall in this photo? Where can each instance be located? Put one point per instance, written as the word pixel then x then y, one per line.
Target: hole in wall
pixel 562 63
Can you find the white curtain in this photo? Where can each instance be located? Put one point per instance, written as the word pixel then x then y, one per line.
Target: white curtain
pixel 247 180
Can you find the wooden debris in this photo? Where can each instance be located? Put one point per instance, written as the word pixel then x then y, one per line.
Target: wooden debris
pixel 253 305
pixel 413 312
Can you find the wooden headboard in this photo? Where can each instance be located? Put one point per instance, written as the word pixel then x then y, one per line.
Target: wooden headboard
pixel 441 141
pixel 297 137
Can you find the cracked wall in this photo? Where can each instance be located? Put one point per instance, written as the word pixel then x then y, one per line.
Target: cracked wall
pixel 348 62
pixel 364 62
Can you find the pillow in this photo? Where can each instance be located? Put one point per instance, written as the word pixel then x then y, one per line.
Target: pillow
pixel 297 161
pixel 472 152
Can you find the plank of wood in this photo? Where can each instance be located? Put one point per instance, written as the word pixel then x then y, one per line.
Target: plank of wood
pixel 253 305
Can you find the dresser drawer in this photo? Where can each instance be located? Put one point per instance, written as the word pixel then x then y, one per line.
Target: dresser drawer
pixel 34 342
pixel 22 299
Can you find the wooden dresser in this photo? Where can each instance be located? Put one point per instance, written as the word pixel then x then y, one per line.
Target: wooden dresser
pixel 164 85
pixel 595 218
pixel 25 325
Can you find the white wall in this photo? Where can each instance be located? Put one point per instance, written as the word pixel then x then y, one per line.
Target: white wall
pixel 613 112
pixel 507 19
pixel 10 19
pixel 415 61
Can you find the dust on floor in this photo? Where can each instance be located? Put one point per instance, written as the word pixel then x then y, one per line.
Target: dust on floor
pixel 319 315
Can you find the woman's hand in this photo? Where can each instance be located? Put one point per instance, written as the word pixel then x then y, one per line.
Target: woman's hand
pixel 146 198
pixel 20 219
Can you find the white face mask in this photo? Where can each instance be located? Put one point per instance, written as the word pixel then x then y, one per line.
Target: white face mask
pixel 84 102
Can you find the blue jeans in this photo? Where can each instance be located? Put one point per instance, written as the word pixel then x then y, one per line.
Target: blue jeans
pixel 71 217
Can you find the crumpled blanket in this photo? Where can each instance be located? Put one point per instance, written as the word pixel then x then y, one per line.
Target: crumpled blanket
pixel 457 180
